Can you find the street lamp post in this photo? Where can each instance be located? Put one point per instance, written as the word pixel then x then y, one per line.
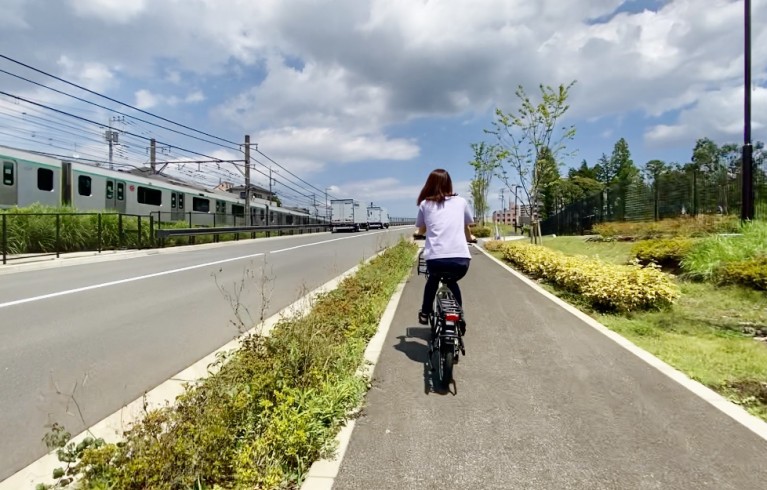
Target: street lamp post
pixel 747 207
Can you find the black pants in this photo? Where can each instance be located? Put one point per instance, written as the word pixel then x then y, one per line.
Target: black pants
pixel 454 268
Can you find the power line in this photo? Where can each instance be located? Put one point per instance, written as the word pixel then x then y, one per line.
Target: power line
pixel 134 117
pixel 97 123
pixel 113 100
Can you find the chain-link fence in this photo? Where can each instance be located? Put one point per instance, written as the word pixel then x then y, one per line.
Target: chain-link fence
pixel 672 193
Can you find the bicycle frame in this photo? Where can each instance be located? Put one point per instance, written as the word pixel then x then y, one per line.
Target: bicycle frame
pixel 445 320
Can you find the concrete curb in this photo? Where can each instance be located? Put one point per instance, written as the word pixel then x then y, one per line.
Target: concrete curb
pixel 737 413
pixel 112 427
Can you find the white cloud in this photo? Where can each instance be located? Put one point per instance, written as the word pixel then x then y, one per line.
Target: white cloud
pixel 110 11
pixel 93 75
pixel 147 100
pixel 718 115
pixel 320 82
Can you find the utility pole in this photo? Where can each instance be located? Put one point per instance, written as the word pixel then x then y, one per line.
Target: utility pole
pixel 516 209
pixel 327 207
pixel 153 155
pixel 112 139
pixel 503 209
pixel 747 207
pixel 248 221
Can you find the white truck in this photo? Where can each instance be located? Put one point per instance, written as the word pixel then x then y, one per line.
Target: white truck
pixel 347 214
pixel 378 217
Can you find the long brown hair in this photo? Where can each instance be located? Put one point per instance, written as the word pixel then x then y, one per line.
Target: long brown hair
pixel 438 186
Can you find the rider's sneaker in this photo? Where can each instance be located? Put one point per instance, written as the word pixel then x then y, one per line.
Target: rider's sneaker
pixel 462 327
pixel 423 318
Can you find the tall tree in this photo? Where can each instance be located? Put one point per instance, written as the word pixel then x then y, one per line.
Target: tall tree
pixel 653 170
pixel 524 133
pixel 625 174
pixel 485 163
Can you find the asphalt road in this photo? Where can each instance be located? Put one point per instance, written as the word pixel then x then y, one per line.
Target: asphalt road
pixel 543 401
pixel 108 331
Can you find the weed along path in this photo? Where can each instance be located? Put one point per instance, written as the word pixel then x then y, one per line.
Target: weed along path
pixel 544 400
pixel 79 342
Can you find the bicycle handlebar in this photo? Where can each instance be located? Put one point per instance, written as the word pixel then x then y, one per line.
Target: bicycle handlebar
pixel 416 236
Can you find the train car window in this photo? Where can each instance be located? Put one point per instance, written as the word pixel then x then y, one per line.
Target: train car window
pixel 238 210
pixel 110 189
pixel 200 204
pixel 220 207
pixel 146 195
pixel 8 177
pixel 180 201
pixel 84 185
pixel 120 191
pixel 45 179
pixel 263 215
pixel 173 200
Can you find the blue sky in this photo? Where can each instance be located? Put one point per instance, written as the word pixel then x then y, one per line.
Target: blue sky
pixel 365 97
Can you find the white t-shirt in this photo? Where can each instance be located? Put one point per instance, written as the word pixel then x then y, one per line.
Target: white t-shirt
pixel 445 237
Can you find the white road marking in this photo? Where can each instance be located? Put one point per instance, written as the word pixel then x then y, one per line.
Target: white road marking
pixel 164 273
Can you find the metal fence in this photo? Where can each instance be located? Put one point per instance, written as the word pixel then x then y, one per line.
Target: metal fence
pixel 670 194
pixel 38 234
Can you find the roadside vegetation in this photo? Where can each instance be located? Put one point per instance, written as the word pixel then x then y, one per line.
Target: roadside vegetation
pixel 714 329
pixel 271 409
pixel 32 230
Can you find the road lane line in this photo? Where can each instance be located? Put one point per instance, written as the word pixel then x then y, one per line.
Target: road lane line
pixel 163 273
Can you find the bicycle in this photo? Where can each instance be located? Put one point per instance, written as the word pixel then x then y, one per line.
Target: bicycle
pixel 447 327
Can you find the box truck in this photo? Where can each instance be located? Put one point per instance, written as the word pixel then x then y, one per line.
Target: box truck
pixel 347 214
pixel 378 217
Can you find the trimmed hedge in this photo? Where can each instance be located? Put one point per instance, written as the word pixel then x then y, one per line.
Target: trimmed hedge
pixel 662 251
pixel 607 287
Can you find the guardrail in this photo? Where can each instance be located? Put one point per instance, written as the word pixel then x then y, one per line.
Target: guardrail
pixel 162 234
pixel 43 234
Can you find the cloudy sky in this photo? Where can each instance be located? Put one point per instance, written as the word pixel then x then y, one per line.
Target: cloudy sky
pixel 365 97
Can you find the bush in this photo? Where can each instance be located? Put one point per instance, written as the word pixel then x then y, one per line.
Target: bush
pixel 481 231
pixel 690 226
pixel 607 287
pixel 751 273
pixel 662 251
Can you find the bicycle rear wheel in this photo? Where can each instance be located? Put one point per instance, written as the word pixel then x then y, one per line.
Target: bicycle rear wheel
pixel 446 361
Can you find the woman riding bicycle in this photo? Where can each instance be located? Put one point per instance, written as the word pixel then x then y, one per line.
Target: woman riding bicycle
pixel 444 217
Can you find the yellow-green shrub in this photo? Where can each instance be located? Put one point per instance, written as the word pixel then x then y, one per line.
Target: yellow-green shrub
pixel 481 231
pixel 752 273
pixel 605 286
pixel 662 250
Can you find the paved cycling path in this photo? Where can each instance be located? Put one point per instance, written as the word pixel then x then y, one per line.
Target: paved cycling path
pixel 544 401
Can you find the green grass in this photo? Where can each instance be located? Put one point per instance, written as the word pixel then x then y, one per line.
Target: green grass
pixel 705 258
pixel 702 335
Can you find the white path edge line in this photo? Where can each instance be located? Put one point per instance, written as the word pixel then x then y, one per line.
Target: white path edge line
pixel 322 474
pixel 111 427
pixel 737 413
pixel 164 273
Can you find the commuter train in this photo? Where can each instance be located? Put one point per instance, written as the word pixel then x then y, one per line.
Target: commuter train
pixel 29 178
